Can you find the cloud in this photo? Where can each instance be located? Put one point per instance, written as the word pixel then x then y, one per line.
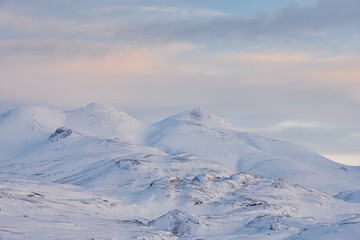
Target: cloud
pixel 356 135
pixel 56 48
pixel 119 73
pixel 265 58
pixel 333 139
pixel 348 159
pixel 171 11
pixel 21 26
pixel 340 69
pixel 289 126
pixel 293 25
pixel 301 124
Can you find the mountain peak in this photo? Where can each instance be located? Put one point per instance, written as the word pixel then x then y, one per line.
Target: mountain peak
pixel 199 116
pixel 38 118
pixel 99 106
pixel 105 121
pixel 99 112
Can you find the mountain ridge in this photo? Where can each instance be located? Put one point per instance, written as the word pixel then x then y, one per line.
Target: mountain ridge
pixel 195 131
pixel 190 176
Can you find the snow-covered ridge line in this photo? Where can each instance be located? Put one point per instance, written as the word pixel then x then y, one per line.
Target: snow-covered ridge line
pixel 197 132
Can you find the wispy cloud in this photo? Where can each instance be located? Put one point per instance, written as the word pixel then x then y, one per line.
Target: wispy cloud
pixel 184 11
pixel 301 124
pixel 295 125
pixel 311 25
pixel 266 58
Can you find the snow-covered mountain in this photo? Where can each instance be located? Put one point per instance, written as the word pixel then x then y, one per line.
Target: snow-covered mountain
pixel 204 134
pixel 190 176
pixel 26 127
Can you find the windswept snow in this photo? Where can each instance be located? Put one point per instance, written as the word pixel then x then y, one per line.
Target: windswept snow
pixel 350 196
pixel 97 173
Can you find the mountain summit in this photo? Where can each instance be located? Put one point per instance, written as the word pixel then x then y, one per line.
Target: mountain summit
pixel 196 116
pixel 104 121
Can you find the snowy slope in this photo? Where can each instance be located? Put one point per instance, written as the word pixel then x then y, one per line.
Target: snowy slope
pixel 204 207
pixel 97 173
pixel 24 127
pixel 350 196
pixel 31 210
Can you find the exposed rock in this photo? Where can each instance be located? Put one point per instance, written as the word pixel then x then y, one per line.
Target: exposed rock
pixel 61 132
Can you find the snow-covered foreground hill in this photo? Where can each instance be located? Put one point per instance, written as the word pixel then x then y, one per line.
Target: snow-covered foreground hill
pixel 97 173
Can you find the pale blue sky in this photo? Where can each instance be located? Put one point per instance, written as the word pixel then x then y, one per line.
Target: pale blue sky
pixel 287 69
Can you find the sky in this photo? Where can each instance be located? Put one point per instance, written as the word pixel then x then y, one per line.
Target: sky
pixel 286 69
